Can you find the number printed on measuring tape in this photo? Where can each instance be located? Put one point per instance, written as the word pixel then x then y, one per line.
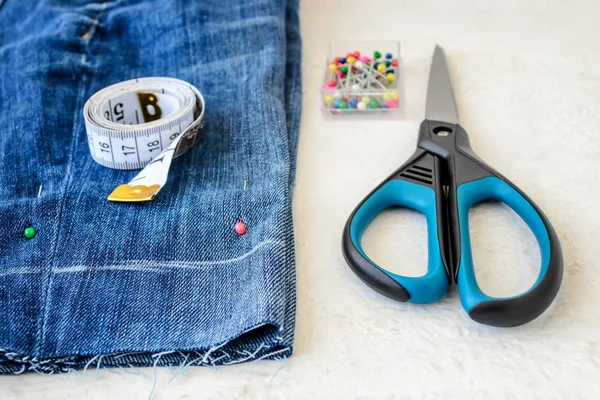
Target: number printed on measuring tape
pixel 143 123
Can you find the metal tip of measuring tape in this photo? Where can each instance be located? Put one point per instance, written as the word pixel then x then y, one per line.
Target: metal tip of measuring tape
pixel 127 193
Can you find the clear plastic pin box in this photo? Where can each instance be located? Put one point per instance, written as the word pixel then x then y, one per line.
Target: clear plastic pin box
pixel 362 78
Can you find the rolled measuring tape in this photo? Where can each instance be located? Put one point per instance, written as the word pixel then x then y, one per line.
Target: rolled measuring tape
pixel 143 123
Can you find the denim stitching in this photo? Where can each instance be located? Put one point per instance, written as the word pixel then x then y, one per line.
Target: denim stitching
pixel 47 280
pixel 293 91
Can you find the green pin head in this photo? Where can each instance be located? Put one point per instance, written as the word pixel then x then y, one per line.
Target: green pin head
pixel 29 232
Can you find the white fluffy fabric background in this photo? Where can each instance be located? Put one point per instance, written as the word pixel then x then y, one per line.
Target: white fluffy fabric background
pixel 527 80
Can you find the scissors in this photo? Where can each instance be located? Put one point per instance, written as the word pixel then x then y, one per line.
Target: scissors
pixel 443 179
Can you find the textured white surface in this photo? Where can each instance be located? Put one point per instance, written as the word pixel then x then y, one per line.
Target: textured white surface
pixel 527 77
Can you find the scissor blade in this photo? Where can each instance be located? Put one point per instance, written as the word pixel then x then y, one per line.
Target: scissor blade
pixel 440 104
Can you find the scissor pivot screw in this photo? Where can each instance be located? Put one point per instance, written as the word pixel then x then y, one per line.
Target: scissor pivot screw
pixel 442 131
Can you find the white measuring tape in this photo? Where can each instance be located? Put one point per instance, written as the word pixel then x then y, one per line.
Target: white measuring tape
pixel 143 123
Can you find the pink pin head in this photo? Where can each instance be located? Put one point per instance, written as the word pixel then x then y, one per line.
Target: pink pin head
pixel 240 227
pixel 392 103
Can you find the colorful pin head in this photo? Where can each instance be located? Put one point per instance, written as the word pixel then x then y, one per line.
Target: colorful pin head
pixel 359 82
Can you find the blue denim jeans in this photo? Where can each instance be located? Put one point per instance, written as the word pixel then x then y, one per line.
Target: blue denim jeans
pixel 166 282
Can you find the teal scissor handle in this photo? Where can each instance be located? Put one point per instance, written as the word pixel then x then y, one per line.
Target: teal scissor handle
pixel 396 192
pixel 516 310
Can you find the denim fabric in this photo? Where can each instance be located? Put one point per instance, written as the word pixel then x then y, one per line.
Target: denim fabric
pixel 166 282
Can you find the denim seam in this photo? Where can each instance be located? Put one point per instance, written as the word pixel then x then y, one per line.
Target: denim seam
pixel 290 309
pixel 47 280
